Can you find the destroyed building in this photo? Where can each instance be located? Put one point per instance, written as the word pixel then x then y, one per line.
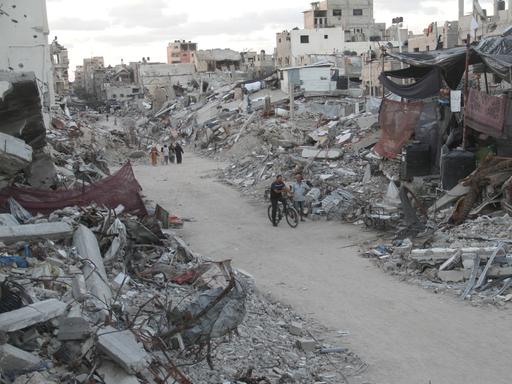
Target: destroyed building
pixel 60 64
pixel 213 60
pixel 181 52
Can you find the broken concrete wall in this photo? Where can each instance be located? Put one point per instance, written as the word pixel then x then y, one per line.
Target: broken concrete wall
pixel 21 115
pixel 15 155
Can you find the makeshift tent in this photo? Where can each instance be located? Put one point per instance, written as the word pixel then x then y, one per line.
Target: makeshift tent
pixel 495 52
pixel 427 86
pixel 120 188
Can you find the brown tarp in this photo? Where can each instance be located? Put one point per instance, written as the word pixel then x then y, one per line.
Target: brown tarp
pixel 397 121
pixel 486 113
pixel 120 188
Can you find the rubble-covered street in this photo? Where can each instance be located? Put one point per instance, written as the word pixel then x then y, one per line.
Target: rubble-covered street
pixel 329 203
pixel 318 270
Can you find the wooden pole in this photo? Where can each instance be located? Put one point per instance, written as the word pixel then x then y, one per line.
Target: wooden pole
pixel 466 95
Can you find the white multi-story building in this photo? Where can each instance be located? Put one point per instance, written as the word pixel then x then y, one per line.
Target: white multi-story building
pixel 354 16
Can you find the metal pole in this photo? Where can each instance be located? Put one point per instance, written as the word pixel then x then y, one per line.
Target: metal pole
pixel 466 95
pixel 486 83
pixel 383 90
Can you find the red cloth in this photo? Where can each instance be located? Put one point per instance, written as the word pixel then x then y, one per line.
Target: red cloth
pixel 397 121
pixel 486 113
pixel 119 188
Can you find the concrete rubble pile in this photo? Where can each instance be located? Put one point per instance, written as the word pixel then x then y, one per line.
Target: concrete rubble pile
pixel 326 140
pixel 91 295
pixel 462 244
pixel 61 151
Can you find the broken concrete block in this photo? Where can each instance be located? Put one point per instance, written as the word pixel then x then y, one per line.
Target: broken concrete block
pixel 314 153
pixel 451 276
pixel 42 173
pixel 440 255
pixel 8 219
pixel 499 272
pixel 73 328
pixel 15 154
pixel 88 248
pixel 13 359
pixel 79 289
pixel 122 347
pixel 112 374
pixel 306 345
pixel 29 232
pixel 33 378
pixel 295 329
pixel 32 314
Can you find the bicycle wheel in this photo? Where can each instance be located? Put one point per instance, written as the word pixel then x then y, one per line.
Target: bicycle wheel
pixel 270 213
pixel 292 217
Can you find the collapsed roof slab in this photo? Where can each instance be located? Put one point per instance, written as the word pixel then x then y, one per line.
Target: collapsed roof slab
pixel 21 113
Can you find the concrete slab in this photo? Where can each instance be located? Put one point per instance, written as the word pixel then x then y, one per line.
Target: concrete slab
pixel 13 359
pixel 32 314
pixel 112 374
pixel 30 232
pixel 321 154
pixel 8 220
pixel 73 328
pixel 97 280
pixel 451 276
pixel 123 348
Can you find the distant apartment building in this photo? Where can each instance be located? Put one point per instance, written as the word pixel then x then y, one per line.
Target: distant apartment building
pixel 330 27
pixel 354 16
pixel 91 67
pixel 306 42
pixel 79 82
pixel 181 52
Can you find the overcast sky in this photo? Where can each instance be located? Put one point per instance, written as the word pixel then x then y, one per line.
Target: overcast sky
pixel 131 29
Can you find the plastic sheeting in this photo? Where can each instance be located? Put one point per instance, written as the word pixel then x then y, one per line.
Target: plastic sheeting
pixel 495 52
pixel 427 86
pixel 120 188
pixel 398 121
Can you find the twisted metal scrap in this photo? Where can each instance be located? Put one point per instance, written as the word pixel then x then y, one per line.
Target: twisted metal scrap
pixel 477 182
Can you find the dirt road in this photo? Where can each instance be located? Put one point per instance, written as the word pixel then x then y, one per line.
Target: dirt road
pixel 406 334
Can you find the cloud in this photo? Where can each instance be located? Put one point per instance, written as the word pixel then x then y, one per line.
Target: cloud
pixel 76 24
pixel 150 13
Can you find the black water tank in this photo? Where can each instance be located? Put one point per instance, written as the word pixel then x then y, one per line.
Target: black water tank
pixel 417 160
pixel 455 166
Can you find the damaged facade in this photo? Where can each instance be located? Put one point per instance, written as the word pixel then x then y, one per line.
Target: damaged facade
pixel 60 64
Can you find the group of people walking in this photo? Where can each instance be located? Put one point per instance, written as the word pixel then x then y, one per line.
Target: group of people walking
pixel 168 153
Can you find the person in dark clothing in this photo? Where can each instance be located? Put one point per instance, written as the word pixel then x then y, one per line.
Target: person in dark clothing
pixel 277 189
pixel 179 153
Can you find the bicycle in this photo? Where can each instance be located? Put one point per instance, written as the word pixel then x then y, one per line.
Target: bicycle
pixel 287 211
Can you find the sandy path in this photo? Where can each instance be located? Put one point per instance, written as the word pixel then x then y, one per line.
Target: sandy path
pixel 406 334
